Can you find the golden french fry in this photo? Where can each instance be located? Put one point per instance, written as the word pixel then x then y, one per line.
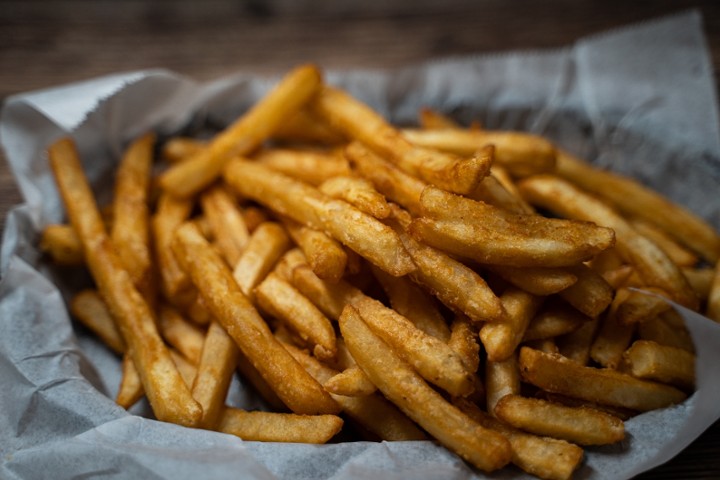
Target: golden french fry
pixel 214 372
pixel 433 359
pixel 613 337
pixel 279 427
pixel 304 127
pixel 280 299
pixel 555 319
pixel 700 280
pixel 678 253
pixel 329 297
pixel 226 222
pixel 576 345
pixel 540 281
pixel 358 192
pixel 324 254
pixel 251 374
pixel 653 266
pixel 62 244
pixel 500 339
pixel 485 449
pixel 360 232
pixel 311 166
pixel 358 121
pixel 640 306
pixel 650 360
pixel 169 396
pixel 413 303
pixel 130 232
pixel 182 335
pixel 581 425
pixel 490 235
pixel 177 149
pixel 130 390
pixel 660 331
pixel 463 340
pixel 231 308
pixel 501 378
pixel 89 307
pixel 634 199
pixel 245 134
pixel 558 374
pixel 522 154
pixel 351 382
pixel 491 190
pixel 544 457
pixel 591 294
pixel 373 412
pixel 266 245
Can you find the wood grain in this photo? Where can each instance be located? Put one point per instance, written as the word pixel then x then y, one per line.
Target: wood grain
pixel 46 43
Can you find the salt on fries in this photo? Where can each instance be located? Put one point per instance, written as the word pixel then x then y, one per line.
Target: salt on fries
pixel 399 278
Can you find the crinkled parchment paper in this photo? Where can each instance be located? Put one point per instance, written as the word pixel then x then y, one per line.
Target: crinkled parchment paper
pixel 639 100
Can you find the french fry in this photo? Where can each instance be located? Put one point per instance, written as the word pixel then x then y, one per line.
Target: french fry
pixel 305 204
pixel 653 266
pixel 661 332
pixel 89 307
pixel 251 374
pixel 182 335
pixel 650 360
pixel 581 425
pixel 433 119
pixel 540 281
pixel 177 149
pixel 329 297
pixel 591 294
pixel 358 192
pixel 501 378
pixel 639 201
pixel 463 340
pixel 62 244
pixel 169 396
pixel 413 303
pixel 613 337
pixel 640 306
pixel 683 257
pixel 500 339
pixel 544 457
pixel 324 254
pixel 313 166
pixel 576 345
pixel 130 232
pixel 522 154
pixel 557 374
pixel 130 390
pixel 230 307
pixel 279 427
pixel 485 449
pixel 357 121
pixel 700 279
pixel 214 371
pixel 245 134
pixel 304 127
pixel 491 235
pixel 351 382
pixel 266 245
pixel 281 300
pixel 496 193
pixel 553 320
pixel 226 222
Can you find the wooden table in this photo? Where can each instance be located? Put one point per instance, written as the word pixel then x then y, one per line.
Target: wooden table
pixel 45 43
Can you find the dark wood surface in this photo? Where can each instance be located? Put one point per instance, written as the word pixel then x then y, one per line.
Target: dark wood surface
pixel 46 43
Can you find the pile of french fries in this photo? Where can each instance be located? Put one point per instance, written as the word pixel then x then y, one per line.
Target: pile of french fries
pixel 481 288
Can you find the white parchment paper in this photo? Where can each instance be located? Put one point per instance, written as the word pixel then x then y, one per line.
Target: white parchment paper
pixel 639 100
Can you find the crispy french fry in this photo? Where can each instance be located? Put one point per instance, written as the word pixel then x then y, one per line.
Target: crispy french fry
pixel 230 307
pixel 130 390
pixel 351 382
pixel 245 134
pixel 266 245
pixel 682 256
pixel 557 374
pixel 640 306
pixel 177 149
pixel 522 154
pixel 305 204
pixel 500 339
pixel 304 127
pixel 613 337
pixel 544 457
pixel 496 193
pixel 463 339
pixel 169 396
pixel 281 300
pixel 661 332
pixel 182 335
pixel 329 297
pixel 324 254
pixel 226 222
pixel 279 427
pixel 414 304
pixel 501 378
pixel 89 307
pixel 485 449
pixel 490 235
pixel 312 166
pixel 650 360
pixel 214 372
pixel 581 425
pixel 555 319
pixel 357 121
pixel 591 294
pixel 130 232
pixel 62 244
pixel 358 192
pixel 576 345
pixel 637 200
pixel 653 266
pixel 540 281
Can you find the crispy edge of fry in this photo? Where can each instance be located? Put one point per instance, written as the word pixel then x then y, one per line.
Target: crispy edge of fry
pixel 90 309
pixel 226 222
pixel 464 341
pixel 62 244
pixel 311 166
pixel 591 294
pixel 211 275
pixel 130 390
pixel 245 134
pixel 650 360
pixel 612 337
pixel 324 254
pixel 501 339
pixel 501 378
pixel 553 320
pixel 358 192
pixel 185 337
pixel 557 374
pixel 168 394
pixel 178 149
pixel 581 425
pixel 483 448
pixel 279 427
pixel 540 281
pixel 351 382
pixel 264 248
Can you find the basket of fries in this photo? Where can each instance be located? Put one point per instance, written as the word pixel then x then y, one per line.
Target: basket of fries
pixel 344 274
